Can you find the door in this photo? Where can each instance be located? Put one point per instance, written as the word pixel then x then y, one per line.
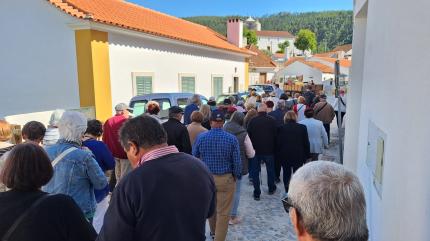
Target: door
pixel 235 84
pixel 263 77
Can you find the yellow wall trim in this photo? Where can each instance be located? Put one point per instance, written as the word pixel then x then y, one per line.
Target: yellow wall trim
pixel 92 54
pixel 246 73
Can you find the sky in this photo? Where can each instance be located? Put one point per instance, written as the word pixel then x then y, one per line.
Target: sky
pixel 256 8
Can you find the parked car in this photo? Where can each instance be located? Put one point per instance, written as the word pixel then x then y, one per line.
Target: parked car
pixel 165 100
pixel 237 96
pixel 267 88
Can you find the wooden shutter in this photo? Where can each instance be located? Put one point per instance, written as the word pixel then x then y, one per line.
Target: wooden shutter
pixel 217 86
pixel 143 85
pixel 188 84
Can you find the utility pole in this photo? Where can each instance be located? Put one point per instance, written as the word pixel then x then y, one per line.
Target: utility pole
pixel 339 113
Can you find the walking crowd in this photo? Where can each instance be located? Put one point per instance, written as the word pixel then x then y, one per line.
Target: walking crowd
pixel 140 178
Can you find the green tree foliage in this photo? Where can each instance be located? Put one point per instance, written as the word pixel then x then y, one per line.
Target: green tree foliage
pixel 332 28
pixel 306 40
pixel 251 36
pixel 282 47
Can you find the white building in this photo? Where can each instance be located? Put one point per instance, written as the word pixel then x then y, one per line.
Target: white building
pixel 387 126
pixel 75 54
pixel 252 24
pixel 261 67
pixel 269 40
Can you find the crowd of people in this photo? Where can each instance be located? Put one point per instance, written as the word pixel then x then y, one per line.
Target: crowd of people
pixel 142 178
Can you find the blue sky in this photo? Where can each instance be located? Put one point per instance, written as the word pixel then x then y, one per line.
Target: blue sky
pixel 185 8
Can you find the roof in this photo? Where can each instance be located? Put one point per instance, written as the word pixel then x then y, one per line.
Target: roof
pixel 326 54
pixel 284 34
pixel 344 48
pixel 279 56
pixel 342 62
pixel 261 60
pixel 313 64
pixel 134 17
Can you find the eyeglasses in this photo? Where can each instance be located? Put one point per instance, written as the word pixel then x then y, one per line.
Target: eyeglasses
pixel 286 201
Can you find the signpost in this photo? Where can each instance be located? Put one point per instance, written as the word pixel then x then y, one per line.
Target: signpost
pixel 339 119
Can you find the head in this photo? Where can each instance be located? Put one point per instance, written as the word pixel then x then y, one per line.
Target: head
pixel 72 126
pixel 123 109
pixel 309 113
pixel 176 112
pixel 249 115
pixel 227 101
pixel 152 108
pixel 281 105
pixel 206 111
pixel 253 92
pixel 283 97
pixel 258 98
pixel 301 100
pixel 342 92
pixel 197 117
pixel 217 119
pixel 140 135
pixel 323 98
pixel 249 106
pixel 195 99
pixel 237 117
pixel 55 118
pixel 270 104
pixel 262 108
pixel 309 88
pixel 296 95
pixel 277 86
pixel 327 203
pixel 27 168
pixel 5 131
pixel 33 131
pixel 94 128
pixel 290 116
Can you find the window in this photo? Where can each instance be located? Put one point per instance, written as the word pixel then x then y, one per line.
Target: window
pixel 139 107
pixel 164 107
pixel 187 83
pixel 217 85
pixel 182 102
pixel 142 83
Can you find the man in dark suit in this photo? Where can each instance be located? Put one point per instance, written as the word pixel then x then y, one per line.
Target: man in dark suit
pixel 177 133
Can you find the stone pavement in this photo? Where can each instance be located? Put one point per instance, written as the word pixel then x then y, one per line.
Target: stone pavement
pixel 266 220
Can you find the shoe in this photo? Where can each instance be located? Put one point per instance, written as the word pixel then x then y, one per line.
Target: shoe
pixel 272 192
pixel 277 180
pixel 234 221
pixel 257 198
pixel 212 235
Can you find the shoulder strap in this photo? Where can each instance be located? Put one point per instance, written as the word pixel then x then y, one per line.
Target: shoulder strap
pixel 320 109
pixel 62 155
pixel 341 100
pixel 23 216
pixel 300 108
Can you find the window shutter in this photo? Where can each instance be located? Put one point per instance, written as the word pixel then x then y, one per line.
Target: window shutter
pixel 217 85
pixel 143 85
pixel 188 84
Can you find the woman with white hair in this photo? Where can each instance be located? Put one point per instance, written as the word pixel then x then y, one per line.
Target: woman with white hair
pixel 52 134
pixel 76 172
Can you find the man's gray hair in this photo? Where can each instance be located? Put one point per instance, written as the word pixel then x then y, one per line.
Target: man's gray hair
pixel 72 126
pixel 330 202
pixel 195 99
pixel 55 117
pixel 281 105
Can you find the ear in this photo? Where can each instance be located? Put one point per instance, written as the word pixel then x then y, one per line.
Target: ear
pixel 298 227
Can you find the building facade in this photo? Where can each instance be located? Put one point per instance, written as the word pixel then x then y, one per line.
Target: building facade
pixel 95 53
pixel 270 40
pixel 387 126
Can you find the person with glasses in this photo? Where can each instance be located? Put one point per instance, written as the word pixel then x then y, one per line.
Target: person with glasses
pixel 326 202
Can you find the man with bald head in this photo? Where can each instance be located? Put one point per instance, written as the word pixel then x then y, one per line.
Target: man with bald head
pixel 262 131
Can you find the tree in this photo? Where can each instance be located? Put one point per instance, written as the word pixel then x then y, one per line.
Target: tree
pixel 283 46
pixel 251 36
pixel 306 40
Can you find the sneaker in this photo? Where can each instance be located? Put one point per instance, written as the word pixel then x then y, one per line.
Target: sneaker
pixel 234 221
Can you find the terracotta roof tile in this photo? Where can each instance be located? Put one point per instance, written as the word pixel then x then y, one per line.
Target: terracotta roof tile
pixel 284 34
pixel 261 60
pixel 343 62
pixel 131 16
pixel 317 65
pixel 345 48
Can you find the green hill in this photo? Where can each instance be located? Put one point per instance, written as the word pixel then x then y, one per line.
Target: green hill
pixel 332 28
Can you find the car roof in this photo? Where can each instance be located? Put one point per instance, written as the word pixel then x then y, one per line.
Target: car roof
pixel 163 95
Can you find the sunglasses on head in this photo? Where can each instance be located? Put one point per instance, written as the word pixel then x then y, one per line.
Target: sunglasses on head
pixel 286 202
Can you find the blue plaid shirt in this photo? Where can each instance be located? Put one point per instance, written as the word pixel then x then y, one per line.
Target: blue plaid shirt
pixel 220 152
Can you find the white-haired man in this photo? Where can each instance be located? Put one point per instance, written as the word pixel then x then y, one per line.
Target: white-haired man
pixel 326 202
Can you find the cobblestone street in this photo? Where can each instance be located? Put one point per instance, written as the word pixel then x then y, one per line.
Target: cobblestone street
pixel 266 220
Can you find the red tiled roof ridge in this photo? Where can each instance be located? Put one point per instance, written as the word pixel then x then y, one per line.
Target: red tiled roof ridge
pixel 212 39
pixel 313 64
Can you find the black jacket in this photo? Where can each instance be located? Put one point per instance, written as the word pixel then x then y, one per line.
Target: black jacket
pixel 292 144
pixel 262 131
pixel 168 198
pixel 177 134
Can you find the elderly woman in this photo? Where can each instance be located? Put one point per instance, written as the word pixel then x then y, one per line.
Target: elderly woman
pixel 292 146
pixel 300 108
pixel 152 109
pixel 5 145
pixel 52 135
pixel 76 172
pixel 235 127
pixel 317 134
pixel 30 214
pixel 206 111
pixel 195 128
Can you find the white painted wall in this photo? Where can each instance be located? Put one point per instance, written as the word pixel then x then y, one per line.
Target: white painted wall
pixel 37 58
pixel 403 210
pixel 343 70
pixel 299 68
pixel 264 42
pixel 166 61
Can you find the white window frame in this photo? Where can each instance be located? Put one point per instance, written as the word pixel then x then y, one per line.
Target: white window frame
pixel 213 83
pixel 141 74
pixel 186 75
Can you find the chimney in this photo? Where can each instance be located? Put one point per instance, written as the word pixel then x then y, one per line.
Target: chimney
pixel 235 32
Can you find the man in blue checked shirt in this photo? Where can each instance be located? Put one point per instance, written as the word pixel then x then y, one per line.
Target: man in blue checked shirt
pixel 220 151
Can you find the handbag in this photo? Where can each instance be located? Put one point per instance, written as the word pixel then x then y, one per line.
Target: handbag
pixel 21 218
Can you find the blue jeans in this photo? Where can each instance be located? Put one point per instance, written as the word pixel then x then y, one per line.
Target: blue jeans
pixel 255 165
pixel 236 200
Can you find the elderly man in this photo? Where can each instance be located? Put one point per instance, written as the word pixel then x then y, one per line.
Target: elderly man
pixel 221 152
pixel 177 133
pixel 111 138
pixel 194 105
pixel 326 202
pixel 168 196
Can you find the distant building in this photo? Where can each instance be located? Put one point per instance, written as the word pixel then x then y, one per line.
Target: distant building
pixel 270 40
pixel 73 54
pixel 252 24
pixel 340 52
pixel 261 67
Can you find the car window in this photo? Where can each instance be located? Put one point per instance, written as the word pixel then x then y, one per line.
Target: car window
pixel 164 107
pixel 139 107
pixel 182 102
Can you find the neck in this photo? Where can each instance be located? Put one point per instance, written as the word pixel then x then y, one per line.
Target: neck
pixel 89 136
